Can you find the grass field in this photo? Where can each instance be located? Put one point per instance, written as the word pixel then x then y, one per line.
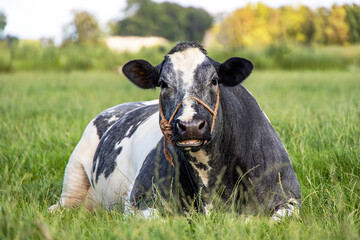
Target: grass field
pixel 42 116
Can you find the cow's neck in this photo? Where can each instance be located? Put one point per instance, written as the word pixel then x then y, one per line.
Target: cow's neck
pixel 215 160
pixel 204 160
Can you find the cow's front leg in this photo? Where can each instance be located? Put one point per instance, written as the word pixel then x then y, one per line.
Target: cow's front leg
pixel 285 210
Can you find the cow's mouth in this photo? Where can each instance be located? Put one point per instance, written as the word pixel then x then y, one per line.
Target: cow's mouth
pixel 190 143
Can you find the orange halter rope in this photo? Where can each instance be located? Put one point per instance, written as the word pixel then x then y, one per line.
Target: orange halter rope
pixel 166 128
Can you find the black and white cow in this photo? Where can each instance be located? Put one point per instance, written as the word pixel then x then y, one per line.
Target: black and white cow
pixel 234 151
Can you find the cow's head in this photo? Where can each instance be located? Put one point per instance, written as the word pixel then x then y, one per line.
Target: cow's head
pixel 186 72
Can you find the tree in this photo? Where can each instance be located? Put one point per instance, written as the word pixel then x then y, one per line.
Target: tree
pixel 83 30
pixel 298 24
pixel 307 26
pixel 320 23
pixel 337 29
pixel 2 23
pixel 169 20
pixel 250 26
pixel 235 30
pixel 259 25
pixel 353 21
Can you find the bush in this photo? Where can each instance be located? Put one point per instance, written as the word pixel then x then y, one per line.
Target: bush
pixel 29 56
pixel 309 61
pixel 303 58
pixel 5 60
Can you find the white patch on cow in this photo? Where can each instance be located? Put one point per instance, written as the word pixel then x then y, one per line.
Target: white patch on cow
pixel 117 187
pixel 113 119
pixel 208 208
pixel 128 131
pixel 150 213
pixel 107 137
pixel 188 112
pixel 146 138
pixel 117 145
pixel 201 157
pixel 152 102
pixel 286 210
pixel 187 61
pixel 96 164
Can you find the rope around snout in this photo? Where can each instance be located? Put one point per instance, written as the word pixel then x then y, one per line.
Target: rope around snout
pixel 166 128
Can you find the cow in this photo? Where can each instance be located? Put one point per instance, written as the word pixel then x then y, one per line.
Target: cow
pixel 206 135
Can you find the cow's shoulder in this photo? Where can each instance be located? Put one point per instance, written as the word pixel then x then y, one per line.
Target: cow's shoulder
pixel 157 177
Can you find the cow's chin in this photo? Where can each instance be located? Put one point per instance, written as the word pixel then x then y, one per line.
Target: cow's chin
pixel 190 143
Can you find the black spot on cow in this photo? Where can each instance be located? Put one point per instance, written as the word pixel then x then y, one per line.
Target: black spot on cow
pixel 201 166
pixel 102 123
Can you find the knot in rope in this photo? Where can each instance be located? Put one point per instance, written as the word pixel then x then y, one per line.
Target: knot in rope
pixel 166 128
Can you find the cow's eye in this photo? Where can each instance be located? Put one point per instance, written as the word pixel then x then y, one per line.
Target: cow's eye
pixel 214 81
pixel 163 84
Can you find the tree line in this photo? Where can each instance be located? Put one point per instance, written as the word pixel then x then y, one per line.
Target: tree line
pixel 259 24
pixel 253 25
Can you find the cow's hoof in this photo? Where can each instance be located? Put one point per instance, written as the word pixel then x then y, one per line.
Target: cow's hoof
pixel 150 214
pixel 289 209
pixel 54 208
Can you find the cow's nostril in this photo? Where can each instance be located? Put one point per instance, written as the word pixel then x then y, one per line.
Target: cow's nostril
pixel 202 125
pixel 181 126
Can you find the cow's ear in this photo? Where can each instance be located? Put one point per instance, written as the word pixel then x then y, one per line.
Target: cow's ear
pixel 234 70
pixel 142 73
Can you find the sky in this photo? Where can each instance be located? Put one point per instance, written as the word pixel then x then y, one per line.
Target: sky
pixel 35 19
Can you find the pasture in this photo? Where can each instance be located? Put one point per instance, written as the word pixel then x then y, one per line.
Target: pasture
pixel 42 117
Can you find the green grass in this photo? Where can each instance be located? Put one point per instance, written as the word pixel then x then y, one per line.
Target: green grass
pixel 42 116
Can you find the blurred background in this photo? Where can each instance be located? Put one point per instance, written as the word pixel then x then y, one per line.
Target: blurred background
pixel 59 61
pixel 103 35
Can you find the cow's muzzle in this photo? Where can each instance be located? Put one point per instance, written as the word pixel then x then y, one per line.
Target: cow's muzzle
pixel 190 133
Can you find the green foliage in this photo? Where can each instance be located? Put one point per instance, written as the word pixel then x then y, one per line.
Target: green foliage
pixel 84 30
pixel 43 115
pixel 2 22
pixel 353 21
pixel 166 19
pixel 5 58
pixel 337 29
pixel 260 25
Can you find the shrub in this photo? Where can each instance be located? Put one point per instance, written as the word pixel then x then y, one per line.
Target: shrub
pixel 5 60
pixel 28 56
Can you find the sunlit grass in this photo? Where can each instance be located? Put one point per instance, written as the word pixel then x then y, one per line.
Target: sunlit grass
pixel 42 117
